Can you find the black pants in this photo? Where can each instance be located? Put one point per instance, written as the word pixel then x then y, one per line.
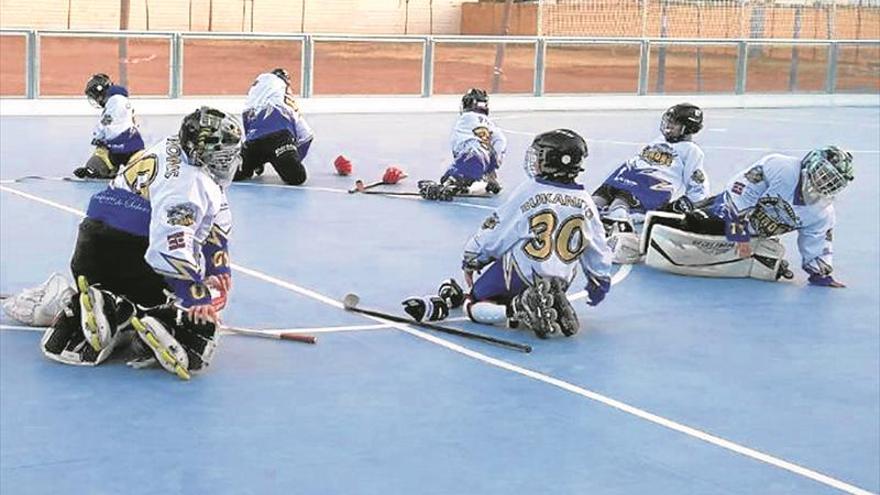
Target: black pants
pixel 115 259
pixel 697 221
pixel 280 150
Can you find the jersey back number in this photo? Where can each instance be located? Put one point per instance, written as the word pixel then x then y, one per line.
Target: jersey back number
pixel 566 239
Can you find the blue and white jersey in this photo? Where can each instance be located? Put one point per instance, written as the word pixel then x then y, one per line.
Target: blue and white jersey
pixel 545 228
pixel 776 183
pixel 179 208
pixel 662 172
pixel 117 130
pixel 270 108
pixel 475 131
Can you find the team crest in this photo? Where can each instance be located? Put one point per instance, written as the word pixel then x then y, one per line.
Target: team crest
pixel 659 154
pixel 755 174
pixel 183 214
pixel 698 176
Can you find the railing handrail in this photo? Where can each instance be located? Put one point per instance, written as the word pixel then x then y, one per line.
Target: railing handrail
pixel 177 40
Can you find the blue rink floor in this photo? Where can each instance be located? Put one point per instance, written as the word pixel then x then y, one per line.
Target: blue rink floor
pixel 674 386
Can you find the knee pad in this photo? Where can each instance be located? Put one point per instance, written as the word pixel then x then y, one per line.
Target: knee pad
pixel 487 313
pixel 100 164
pixel 288 164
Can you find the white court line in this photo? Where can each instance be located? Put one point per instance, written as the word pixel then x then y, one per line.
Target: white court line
pixel 274 331
pixel 569 387
pixel 705 147
pixel 462 204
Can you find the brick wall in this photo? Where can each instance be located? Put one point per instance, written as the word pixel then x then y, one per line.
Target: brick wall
pixel 285 16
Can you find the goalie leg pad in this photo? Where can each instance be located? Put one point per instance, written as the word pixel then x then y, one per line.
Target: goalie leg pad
pixel 65 343
pixel 104 314
pixel 198 341
pixel 431 308
pixel 100 164
pixel 686 253
pixel 39 305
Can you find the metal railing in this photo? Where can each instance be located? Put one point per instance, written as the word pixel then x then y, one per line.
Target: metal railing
pixel 646 48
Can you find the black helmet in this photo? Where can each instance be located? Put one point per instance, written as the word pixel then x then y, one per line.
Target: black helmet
pixel 475 100
pixel 283 74
pixel 556 155
pixel 681 121
pixel 96 89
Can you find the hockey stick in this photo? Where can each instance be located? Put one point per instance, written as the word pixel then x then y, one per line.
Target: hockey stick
pixel 56 178
pixel 413 193
pixel 350 302
pixel 295 337
pixel 360 187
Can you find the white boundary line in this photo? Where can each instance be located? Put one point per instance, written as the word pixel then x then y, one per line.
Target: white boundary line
pixel 569 387
pixel 268 331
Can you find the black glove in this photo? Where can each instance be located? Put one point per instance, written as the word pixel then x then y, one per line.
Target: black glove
pixel 492 186
pixel 84 173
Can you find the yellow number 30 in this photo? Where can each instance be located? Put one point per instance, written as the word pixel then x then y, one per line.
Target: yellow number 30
pixel 568 241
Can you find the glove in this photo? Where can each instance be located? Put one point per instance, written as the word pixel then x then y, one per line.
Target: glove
pixel 393 175
pixel 682 205
pixel 99 143
pixel 84 173
pixel 343 165
pixel 492 186
pixel 431 190
pixel 597 287
pixel 825 281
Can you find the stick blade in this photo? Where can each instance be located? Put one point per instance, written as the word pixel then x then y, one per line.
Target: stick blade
pixel 350 301
pixel 298 337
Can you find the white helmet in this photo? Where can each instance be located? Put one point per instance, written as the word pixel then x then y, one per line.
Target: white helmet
pixel 828 170
pixel 212 139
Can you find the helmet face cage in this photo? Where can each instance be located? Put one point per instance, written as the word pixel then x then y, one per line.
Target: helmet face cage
pixel 216 144
pixel 96 89
pixel 829 170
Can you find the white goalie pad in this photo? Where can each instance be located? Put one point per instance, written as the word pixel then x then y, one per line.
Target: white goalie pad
pixel 624 248
pixel 686 253
pixel 38 306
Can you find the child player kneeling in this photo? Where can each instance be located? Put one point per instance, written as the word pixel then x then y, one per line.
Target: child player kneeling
pixel 529 248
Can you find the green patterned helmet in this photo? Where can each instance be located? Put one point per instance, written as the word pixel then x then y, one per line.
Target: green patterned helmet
pixel 828 170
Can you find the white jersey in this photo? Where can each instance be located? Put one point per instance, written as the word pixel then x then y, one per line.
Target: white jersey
pixel 776 181
pixel 178 207
pixel 544 229
pixel 269 108
pixel 475 130
pixel 117 128
pixel 678 165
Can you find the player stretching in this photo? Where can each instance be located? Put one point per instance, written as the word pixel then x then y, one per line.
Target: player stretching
pixel 275 131
pixel 734 234
pixel 669 168
pixel 530 248
pixel 162 225
pixel 116 137
pixel 478 147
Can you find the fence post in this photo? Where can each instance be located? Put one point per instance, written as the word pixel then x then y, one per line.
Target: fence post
pixel 176 65
pixel 831 76
pixel 540 55
pixel 742 64
pixel 307 67
pixel 428 67
pixel 32 53
pixel 644 60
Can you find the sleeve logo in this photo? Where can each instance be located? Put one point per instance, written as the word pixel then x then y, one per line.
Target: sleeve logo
pixel 183 214
pixel 755 174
